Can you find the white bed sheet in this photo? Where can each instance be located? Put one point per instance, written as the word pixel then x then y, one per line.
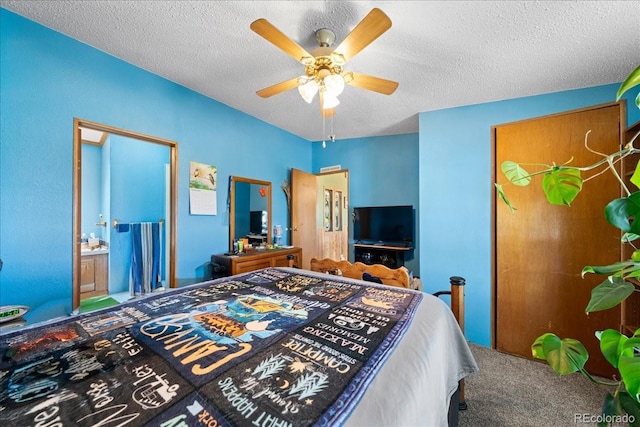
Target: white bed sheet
pixel 416 383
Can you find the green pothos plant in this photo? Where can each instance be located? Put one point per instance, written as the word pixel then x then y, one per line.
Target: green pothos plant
pixel 561 184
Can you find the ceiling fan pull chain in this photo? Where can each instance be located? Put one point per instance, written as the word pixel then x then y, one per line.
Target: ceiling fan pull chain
pixel 332 137
pixel 324 142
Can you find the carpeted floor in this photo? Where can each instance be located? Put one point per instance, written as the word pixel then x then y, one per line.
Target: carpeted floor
pixel 512 391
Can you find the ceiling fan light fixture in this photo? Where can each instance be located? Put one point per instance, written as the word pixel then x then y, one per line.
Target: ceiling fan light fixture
pixel 308 90
pixel 338 58
pixel 347 77
pixel 334 85
pixel 330 101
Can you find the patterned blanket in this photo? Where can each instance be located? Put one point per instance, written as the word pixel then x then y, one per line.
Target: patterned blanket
pixel 274 347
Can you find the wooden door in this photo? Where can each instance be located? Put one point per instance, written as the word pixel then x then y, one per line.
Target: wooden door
pixel 630 308
pixel 307 215
pixel 540 249
pixel 304 222
pixel 333 237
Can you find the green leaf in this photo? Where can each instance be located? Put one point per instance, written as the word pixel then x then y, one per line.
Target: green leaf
pixel 564 356
pixel 631 407
pixel 612 345
pixel 613 269
pixel 632 80
pixel 630 237
pixel 611 406
pixel 515 173
pixel 536 348
pixel 635 178
pixel 562 185
pixel 504 197
pixel 621 213
pixel 629 368
pixel 609 294
pixel 620 404
pixel 633 272
pixel 632 343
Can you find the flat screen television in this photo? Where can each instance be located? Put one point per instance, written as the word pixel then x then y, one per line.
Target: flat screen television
pixel 383 225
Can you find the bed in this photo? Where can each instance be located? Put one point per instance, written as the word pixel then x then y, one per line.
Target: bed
pixel 273 347
pixel 376 272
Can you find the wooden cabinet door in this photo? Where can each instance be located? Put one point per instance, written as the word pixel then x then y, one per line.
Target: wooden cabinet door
pixel 87 274
pixel 540 249
pixel 251 265
pixel 94 275
pixel 102 274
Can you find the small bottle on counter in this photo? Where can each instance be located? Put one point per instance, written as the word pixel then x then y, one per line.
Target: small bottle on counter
pixel 277 235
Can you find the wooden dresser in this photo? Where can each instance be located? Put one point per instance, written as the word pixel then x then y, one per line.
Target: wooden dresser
pixel 255 260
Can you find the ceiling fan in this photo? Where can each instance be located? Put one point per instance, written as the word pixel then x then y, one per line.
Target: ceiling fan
pixel 324 66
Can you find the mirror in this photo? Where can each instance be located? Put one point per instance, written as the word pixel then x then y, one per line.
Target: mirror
pixel 249 211
pixel 120 178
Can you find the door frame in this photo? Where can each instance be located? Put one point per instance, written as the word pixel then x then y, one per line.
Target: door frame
pixel 171 227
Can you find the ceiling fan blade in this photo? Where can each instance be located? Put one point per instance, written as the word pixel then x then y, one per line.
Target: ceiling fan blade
pixel 370 28
pixel 265 29
pixel 279 88
pixel 326 112
pixel 376 84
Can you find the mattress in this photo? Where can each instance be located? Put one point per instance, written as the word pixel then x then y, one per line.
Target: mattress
pixel 277 346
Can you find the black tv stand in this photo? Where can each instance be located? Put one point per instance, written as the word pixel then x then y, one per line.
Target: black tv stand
pixel 380 253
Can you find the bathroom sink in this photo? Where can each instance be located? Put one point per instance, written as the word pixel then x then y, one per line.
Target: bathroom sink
pixel 97 250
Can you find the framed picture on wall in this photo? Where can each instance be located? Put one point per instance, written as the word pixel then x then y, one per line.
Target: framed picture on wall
pixel 337 212
pixel 327 208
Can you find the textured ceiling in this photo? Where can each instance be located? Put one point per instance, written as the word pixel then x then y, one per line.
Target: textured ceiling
pixel 443 53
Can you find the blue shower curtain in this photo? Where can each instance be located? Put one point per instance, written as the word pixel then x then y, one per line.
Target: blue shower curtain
pixel 146 257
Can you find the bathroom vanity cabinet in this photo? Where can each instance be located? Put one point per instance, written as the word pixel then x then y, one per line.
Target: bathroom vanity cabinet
pixel 94 275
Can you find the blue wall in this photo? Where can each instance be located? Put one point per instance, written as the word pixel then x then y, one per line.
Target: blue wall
pixel 92 191
pixel 383 171
pixel 456 191
pixel 47 80
pixel 137 182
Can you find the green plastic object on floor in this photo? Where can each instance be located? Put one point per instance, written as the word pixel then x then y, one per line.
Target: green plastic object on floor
pixel 96 303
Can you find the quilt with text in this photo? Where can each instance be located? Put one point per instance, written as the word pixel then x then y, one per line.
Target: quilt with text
pixel 273 347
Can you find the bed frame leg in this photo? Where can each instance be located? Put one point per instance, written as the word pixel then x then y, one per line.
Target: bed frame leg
pixel 457 306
